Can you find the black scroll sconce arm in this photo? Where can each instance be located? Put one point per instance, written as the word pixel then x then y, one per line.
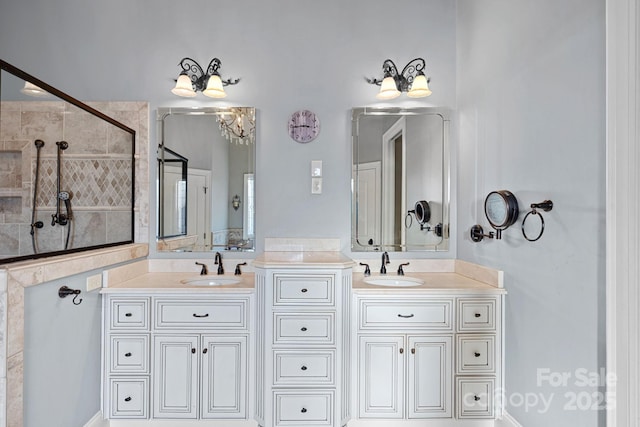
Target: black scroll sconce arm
pixel 65 291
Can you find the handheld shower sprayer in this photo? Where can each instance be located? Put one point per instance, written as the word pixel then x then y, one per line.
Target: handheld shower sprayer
pixel 62 196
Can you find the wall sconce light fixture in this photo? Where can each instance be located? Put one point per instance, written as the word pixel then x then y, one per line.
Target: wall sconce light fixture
pixel 33 90
pixel 235 202
pixel 193 79
pixel 411 80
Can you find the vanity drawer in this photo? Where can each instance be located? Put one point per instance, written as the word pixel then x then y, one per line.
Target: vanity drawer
pixel 129 354
pixel 307 329
pixel 477 314
pixel 129 313
pixel 476 354
pixel 407 314
pixel 201 314
pixel 295 408
pixel 303 367
pixel 129 398
pixel 475 397
pixel 295 289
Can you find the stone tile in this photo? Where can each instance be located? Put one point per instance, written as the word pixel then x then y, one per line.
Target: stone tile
pixel 10 238
pixel 85 133
pixel 15 318
pixel 15 379
pixel 118 226
pixel 89 229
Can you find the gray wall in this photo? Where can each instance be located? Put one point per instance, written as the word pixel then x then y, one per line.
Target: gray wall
pixel 61 355
pixel 531 116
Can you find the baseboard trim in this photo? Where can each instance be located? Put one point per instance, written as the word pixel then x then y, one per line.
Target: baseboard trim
pixel 97 421
pixel 507 421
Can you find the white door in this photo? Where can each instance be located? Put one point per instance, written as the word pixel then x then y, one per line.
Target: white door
pixel 381 376
pixel 199 205
pixel 369 212
pixel 224 377
pixel 429 377
pixel 175 368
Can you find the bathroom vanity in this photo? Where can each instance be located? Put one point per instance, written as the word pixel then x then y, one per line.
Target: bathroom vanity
pixel 306 341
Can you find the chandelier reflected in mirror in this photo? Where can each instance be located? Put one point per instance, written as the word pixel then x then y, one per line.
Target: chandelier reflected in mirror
pixel 238 125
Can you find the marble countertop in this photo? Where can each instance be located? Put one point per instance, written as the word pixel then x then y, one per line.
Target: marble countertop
pixel 303 259
pixel 433 282
pixel 172 283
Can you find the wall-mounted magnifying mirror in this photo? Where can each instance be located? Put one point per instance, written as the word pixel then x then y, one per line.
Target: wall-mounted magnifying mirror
pixel 206 179
pixel 400 161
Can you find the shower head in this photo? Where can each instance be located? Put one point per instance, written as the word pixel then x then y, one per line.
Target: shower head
pixel 62 145
pixel 39 143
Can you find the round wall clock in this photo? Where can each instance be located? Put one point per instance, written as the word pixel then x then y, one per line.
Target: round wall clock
pixel 303 126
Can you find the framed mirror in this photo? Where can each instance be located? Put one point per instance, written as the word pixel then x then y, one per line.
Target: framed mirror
pixel 66 172
pixel 206 179
pixel 400 179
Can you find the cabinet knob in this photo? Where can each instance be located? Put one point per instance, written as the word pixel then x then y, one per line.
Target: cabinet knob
pixel 193 351
pixel 477 314
pixel 476 354
pixel 303 410
pixel 204 351
pixel 413 351
pixel 401 350
pixel 304 290
pixel 127 355
pixel 303 329
pixel 304 368
pixel 128 315
pixel 127 399
pixel 476 397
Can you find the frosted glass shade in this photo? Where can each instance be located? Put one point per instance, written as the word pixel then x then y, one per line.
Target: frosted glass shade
pixel 388 89
pixel 33 90
pixel 184 87
pixel 419 87
pixel 214 88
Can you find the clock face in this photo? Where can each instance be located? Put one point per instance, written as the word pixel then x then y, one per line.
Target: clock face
pixel 303 126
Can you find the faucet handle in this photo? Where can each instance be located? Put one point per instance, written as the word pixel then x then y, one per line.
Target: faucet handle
pixel 238 272
pixel 401 270
pixel 203 271
pixel 367 270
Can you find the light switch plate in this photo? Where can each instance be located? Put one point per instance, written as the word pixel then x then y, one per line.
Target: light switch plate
pixel 94 282
pixel 316 185
pixel 316 168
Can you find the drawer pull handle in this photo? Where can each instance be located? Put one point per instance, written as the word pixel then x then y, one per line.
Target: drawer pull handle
pixel 476 354
pixel 304 368
pixel 303 329
pixel 304 290
pixel 128 315
pixel 405 316
pixel 476 397
pixel 193 351
pixel 201 315
pixel 477 314
pixel 401 350
pixel 204 351
pixel 127 355
pixel 303 410
pixel 127 399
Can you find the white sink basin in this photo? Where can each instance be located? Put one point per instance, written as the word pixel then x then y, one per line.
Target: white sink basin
pixel 211 281
pixel 397 281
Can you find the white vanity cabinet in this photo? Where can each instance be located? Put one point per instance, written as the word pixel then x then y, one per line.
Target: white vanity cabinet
pixel 177 355
pixel 421 355
pixel 303 344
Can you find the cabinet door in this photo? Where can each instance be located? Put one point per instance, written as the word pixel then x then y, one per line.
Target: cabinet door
pixel 380 376
pixel 429 377
pixel 224 377
pixel 175 368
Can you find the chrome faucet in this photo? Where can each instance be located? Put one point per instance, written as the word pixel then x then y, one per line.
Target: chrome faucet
pixel 218 261
pixel 385 261
pixel 204 270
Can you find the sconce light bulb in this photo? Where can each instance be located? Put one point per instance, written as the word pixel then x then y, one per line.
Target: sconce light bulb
pixel 214 87
pixel 419 87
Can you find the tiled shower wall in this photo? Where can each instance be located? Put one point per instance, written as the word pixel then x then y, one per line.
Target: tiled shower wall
pixel 95 169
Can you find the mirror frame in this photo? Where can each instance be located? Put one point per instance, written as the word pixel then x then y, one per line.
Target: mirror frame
pixel 4 66
pixel 356 114
pixel 161 114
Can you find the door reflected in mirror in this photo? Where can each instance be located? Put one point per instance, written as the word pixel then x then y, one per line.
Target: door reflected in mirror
pixel 400 179
pixel 206 179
